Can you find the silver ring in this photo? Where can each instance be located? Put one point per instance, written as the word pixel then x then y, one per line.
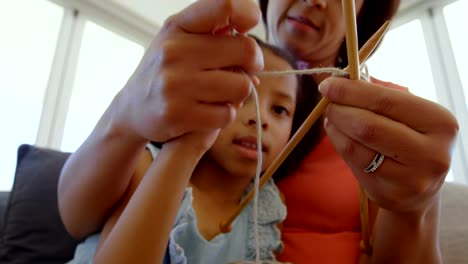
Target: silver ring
pixel 375 164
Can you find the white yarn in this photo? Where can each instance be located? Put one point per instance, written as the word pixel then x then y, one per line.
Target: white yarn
pixel 258 172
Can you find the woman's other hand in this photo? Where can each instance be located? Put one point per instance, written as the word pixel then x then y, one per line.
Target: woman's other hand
pixel 415 135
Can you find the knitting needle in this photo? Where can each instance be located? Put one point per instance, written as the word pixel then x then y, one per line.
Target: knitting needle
pixel 354 74
pixel 364 53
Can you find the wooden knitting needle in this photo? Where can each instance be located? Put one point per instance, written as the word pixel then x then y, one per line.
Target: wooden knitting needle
pixel 364 53
pixel 354 74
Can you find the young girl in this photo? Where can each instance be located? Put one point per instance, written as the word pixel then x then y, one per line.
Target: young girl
pixel 197 180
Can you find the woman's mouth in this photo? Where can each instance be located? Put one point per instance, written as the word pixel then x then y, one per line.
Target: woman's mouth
pixel 302 23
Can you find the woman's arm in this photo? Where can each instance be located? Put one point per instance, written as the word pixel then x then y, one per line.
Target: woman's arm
pixel 406 238
pixel 182 84
pixel 95 178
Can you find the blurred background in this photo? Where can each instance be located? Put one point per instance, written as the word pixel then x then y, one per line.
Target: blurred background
pixel 62 62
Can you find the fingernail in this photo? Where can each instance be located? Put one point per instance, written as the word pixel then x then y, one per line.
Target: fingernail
pixel 255 80
pixel 323 86
pixel 325 122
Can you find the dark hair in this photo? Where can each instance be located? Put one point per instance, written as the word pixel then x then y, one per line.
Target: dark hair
pixel 372 16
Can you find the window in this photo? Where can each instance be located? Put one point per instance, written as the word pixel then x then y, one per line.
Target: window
pixel 405 62
pixel 30 30
pixel 456 19
pixel 106 61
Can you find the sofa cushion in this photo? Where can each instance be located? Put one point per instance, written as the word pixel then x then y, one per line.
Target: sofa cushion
pixel 33 231
pixel 454 224
pixel 3 203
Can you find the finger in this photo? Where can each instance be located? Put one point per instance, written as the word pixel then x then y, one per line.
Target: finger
pixel 204 116
pixel 222 52
pixel 224 87
pixel 211 87
pixel 384 135
pixel 208 16
pixel 397 105
pixel 390 184
pixel 356 155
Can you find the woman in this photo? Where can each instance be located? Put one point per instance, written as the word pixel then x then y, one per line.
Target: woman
pixel 323 222
pixel 169 95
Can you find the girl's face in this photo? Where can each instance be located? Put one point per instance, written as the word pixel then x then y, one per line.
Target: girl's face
pixel 235 149
pixel 312 29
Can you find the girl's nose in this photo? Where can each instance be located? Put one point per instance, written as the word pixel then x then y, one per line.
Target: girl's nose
pixel 253 122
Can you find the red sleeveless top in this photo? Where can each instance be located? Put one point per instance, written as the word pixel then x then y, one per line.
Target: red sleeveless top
pixel 322 199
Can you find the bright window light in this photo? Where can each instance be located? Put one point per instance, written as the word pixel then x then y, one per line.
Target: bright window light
pixel 106 61
pixel 29 32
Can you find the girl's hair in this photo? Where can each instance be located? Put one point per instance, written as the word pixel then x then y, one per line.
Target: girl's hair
pixel 372 16
pixel 306 98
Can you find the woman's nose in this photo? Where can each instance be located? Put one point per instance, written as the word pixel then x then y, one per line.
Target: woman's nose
pixel 253 122
pixel 319 3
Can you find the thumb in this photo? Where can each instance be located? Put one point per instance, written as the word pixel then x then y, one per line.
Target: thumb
pixel 208 16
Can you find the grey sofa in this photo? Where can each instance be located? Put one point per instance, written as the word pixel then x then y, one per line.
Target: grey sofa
pixel 31 230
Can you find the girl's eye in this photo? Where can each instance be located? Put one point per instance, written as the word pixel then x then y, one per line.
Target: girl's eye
pixel 280 110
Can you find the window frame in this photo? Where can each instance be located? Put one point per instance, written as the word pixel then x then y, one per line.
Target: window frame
pixel 449 88
pixel 59 89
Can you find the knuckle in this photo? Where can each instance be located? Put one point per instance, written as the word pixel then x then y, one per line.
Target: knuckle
pixel 451 125
pixel 223 117
pixel 227 6
pixel 168 85
pixel 169 53
pixel 244 87
pixel 338 91
pixel 172 117
pixel 349 148
pixel 170 23
pixel 249 51
pixel 417 189
pixel 383 104
pixel 440 165
pixel 365 130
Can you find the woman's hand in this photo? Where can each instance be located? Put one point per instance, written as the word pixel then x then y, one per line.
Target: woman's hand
pixel 415 135
pixel 183 82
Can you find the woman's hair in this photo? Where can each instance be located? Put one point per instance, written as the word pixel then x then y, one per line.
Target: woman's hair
pixel 372 16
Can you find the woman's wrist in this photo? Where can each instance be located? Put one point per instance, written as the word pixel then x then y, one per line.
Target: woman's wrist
pixel 407 237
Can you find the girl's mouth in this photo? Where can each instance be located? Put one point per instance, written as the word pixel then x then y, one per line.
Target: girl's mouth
pixel 248 147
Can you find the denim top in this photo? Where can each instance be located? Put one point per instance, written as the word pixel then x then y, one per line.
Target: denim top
pixel 187 246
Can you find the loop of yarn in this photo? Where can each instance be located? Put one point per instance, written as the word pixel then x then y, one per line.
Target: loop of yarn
pixel 331 70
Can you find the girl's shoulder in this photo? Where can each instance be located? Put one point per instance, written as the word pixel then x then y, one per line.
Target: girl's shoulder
pixel 271 207
pixel 271 212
